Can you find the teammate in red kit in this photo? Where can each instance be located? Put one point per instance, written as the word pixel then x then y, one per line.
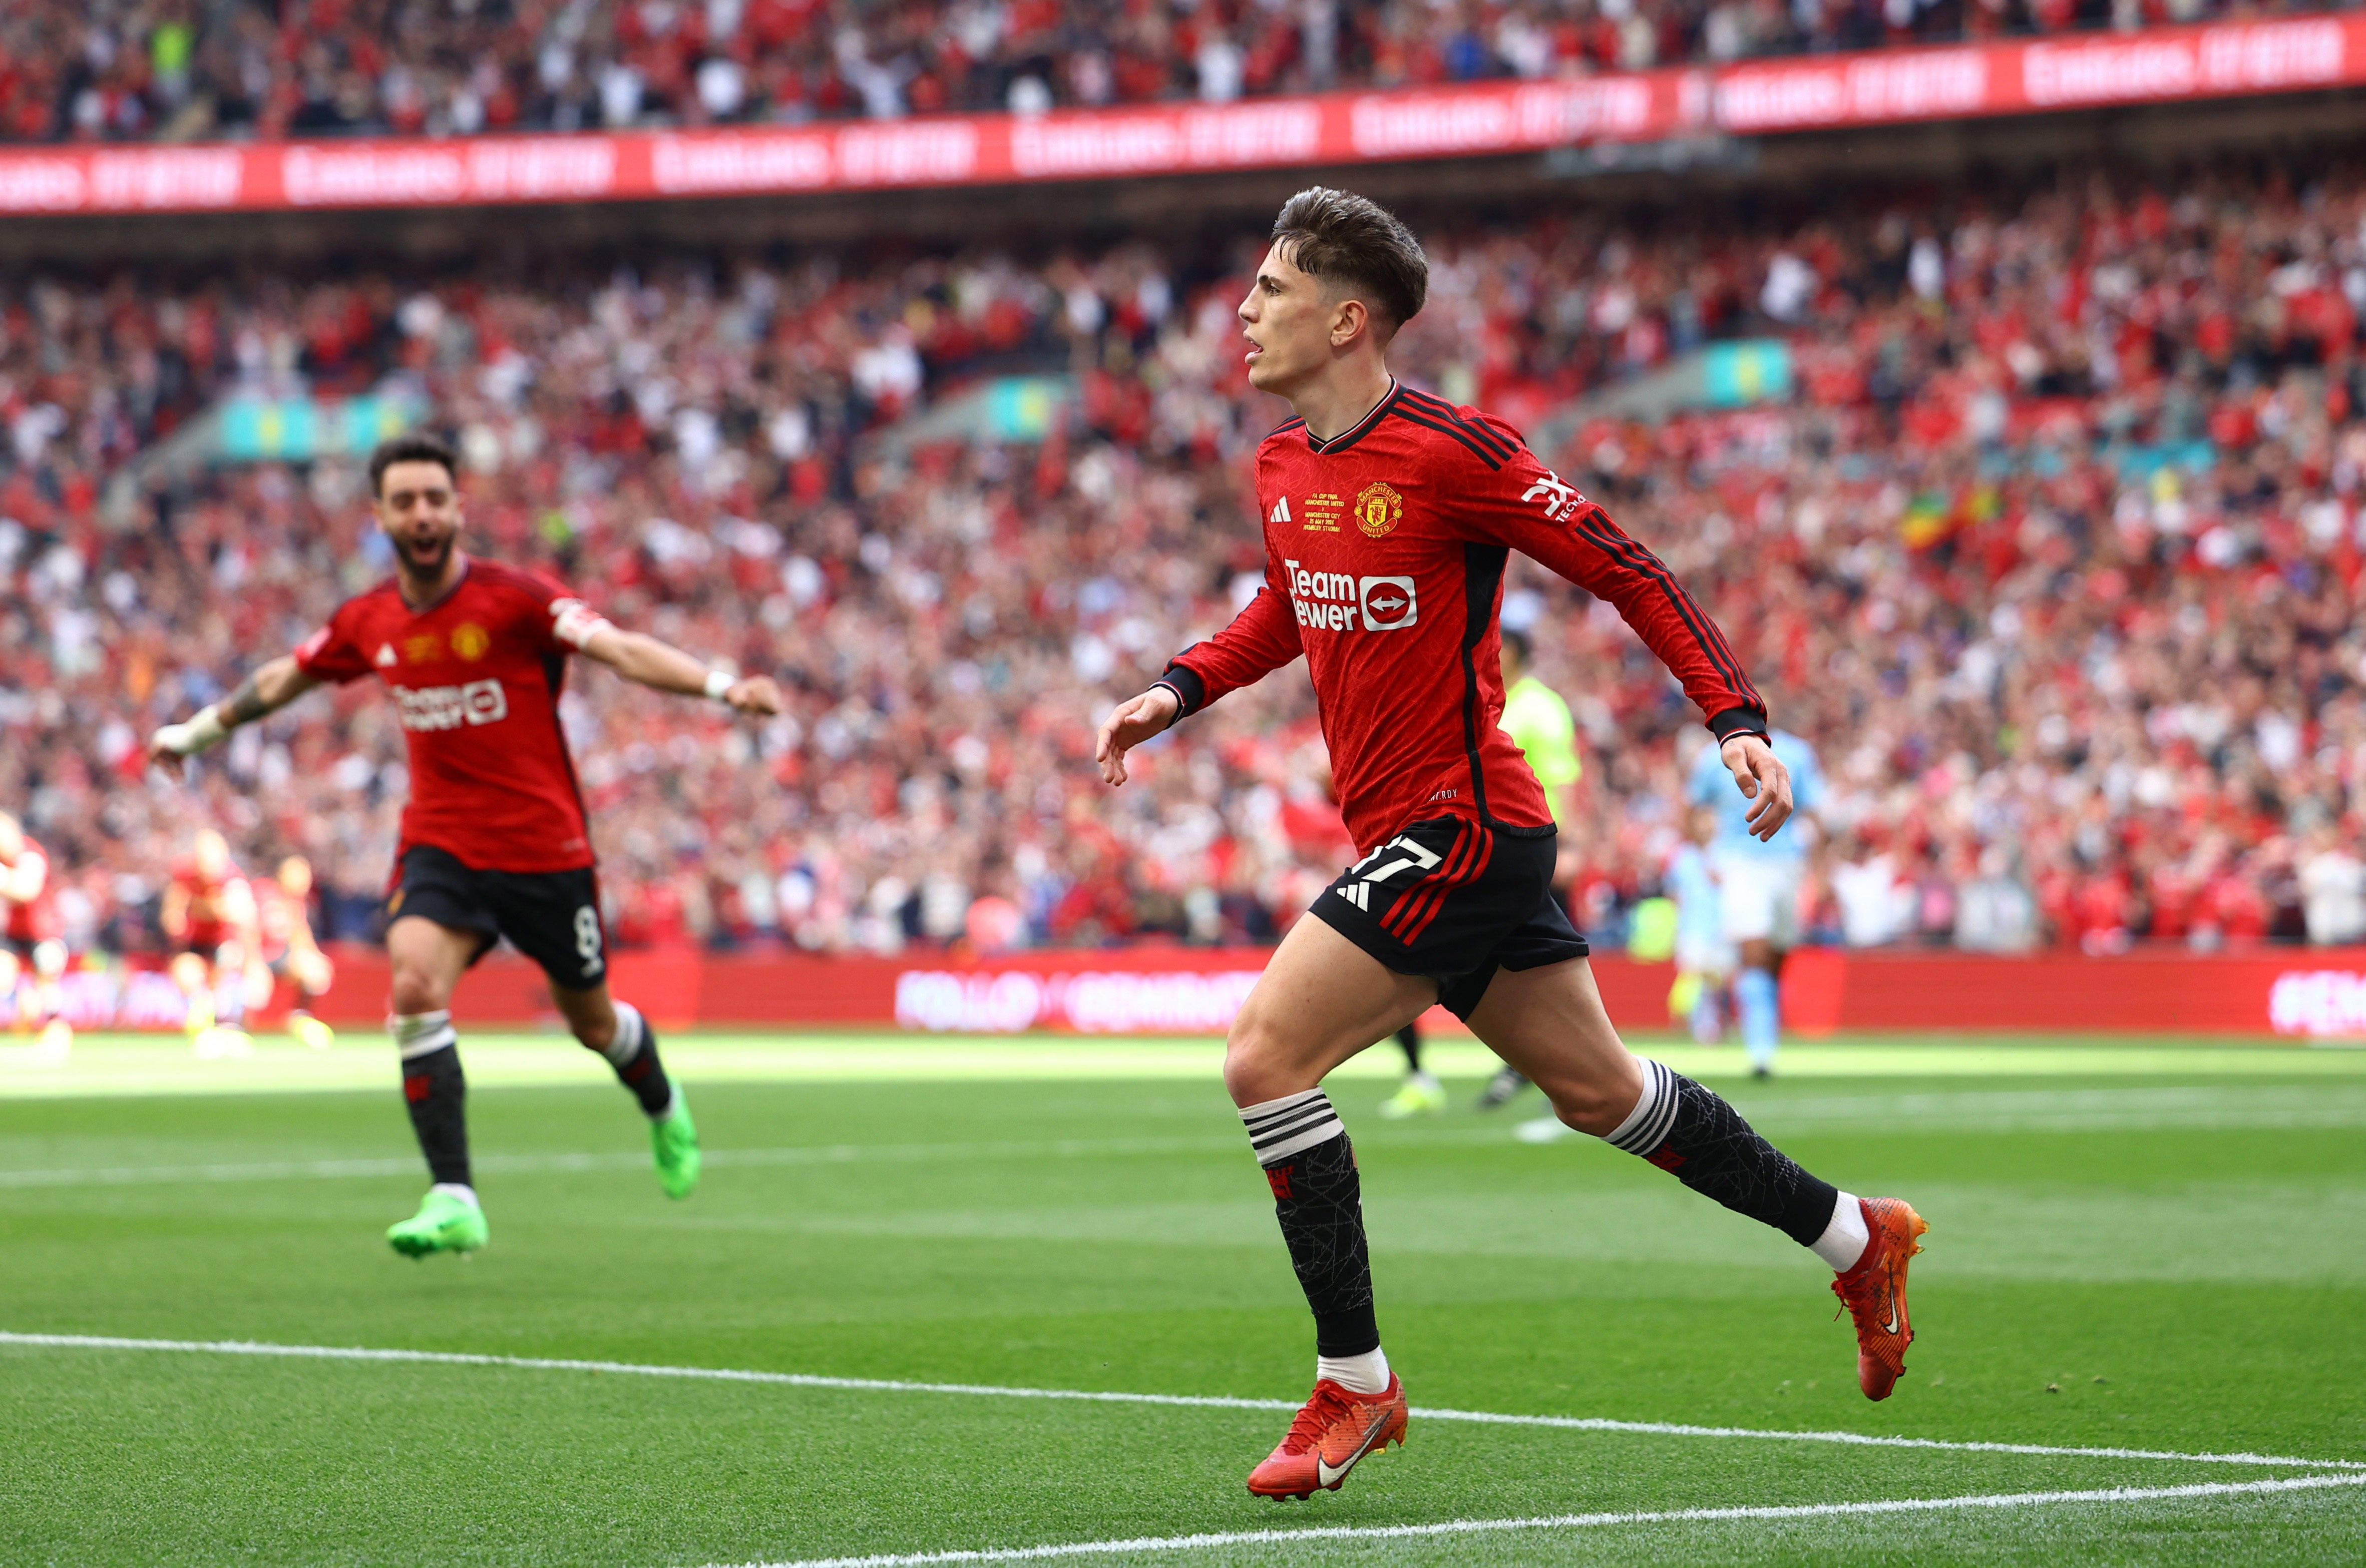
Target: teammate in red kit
pixel 283 920
pixel 495 840
pixel 30 933
pixel 209 914
pixel 1389 515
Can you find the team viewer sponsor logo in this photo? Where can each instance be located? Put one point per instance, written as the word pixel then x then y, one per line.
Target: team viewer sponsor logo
pixel 1341 602
pixel 428 708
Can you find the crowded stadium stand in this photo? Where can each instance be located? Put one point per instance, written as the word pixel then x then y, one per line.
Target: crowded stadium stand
pixel 2038 507
pixel 114 71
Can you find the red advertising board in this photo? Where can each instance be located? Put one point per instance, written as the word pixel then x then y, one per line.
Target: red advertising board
pixel 1819 92
pixel 1180 990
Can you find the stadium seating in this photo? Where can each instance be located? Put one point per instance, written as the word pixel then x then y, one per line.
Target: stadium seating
pixel 2055 549
pixel 110 70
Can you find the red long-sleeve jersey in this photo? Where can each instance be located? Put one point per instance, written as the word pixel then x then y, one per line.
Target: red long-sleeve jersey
pixel 1384 566
pixel 476 678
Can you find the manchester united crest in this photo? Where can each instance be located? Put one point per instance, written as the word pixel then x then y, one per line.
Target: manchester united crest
pixel 470 641
pixel 1379 509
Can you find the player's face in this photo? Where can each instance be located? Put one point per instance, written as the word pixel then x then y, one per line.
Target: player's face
pixel 419 510
pixel 1288 323
pixel 211 853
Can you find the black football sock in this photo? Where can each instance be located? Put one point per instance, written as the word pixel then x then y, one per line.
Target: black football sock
pixel 1409 1039
pixel 633 1052
pixel 436 1092
pixel 1692 1134
pixel 1310 1166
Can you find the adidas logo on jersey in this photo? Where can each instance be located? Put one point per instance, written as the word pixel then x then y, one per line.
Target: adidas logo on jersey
pixel 1357 893
pixel 1321 512
pixel 385 659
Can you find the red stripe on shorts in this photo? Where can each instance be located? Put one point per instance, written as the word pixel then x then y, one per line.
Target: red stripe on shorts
pixel 1484 842
pixel 1422 909
pixel 1411 899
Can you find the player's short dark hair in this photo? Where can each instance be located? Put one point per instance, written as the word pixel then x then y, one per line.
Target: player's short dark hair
pixel 1357 246
pixel 414 448
pixel 1518 643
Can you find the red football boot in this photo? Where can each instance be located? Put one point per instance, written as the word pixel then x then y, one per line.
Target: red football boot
pixel 1336 1429
pixel 1875 1293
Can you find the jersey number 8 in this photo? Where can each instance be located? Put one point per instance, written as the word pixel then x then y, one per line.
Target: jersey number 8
pixel 587 938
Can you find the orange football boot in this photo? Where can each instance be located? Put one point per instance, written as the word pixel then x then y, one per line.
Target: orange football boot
pixel 1336 1429
pixel 1875 1293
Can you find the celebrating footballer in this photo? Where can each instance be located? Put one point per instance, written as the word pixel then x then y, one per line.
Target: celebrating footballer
pixel 494 842
pixel 1389 515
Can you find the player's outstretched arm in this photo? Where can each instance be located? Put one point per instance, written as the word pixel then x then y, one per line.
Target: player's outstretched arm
pixel 1130 723
pixel 1763 779
pixel 661 667
pixel 267 690
pixel 1261 639
pixel 21 883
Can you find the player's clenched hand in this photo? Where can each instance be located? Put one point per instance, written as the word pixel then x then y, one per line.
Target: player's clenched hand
pixel 169 744
pixel 757 694
pixel 1763 779
pixel 1131 723
pixel 163 755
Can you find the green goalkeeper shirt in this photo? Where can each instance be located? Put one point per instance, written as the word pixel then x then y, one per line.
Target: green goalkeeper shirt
pixel 1540 724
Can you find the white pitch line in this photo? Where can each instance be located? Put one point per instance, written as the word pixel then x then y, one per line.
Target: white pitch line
pixel 1569 1521
pixel 1097 1396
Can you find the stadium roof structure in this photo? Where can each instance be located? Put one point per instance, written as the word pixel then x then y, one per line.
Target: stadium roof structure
pixel 1884 87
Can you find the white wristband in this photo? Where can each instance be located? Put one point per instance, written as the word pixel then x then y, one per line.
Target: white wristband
pixel 719 681
pixel 194 735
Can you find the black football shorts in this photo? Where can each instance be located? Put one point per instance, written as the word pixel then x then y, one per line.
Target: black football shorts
pixel 553 917
pixel 1455 900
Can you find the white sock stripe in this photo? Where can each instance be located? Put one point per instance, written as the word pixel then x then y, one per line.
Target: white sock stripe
pixel 1653 1115
pixel 428 1046
pixel 1291 1124
pixel 1616 1136
pixel 1299 1143
pixel 1671 1102
pixel 625 1044
pixel 1265 1111
pixel 422 1033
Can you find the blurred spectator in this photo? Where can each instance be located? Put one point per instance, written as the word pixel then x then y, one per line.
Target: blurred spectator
pixel 2332 892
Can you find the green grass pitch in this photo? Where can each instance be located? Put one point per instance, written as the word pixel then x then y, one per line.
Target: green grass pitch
pixel 2156 1247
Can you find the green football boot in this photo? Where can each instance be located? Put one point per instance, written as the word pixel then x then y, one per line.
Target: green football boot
pixel 444 1223
pixel 1421 1095
pixel 673 1139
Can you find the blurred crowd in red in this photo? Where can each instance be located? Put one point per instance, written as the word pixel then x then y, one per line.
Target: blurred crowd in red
pixel 133 70
pixel 2055 553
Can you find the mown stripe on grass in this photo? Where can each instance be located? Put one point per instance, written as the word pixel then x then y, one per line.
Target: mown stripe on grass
pixel 1102 1397
pixel 558 1163
pixel 1570 1521
pixel 107 1066
pixel 2073 1111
